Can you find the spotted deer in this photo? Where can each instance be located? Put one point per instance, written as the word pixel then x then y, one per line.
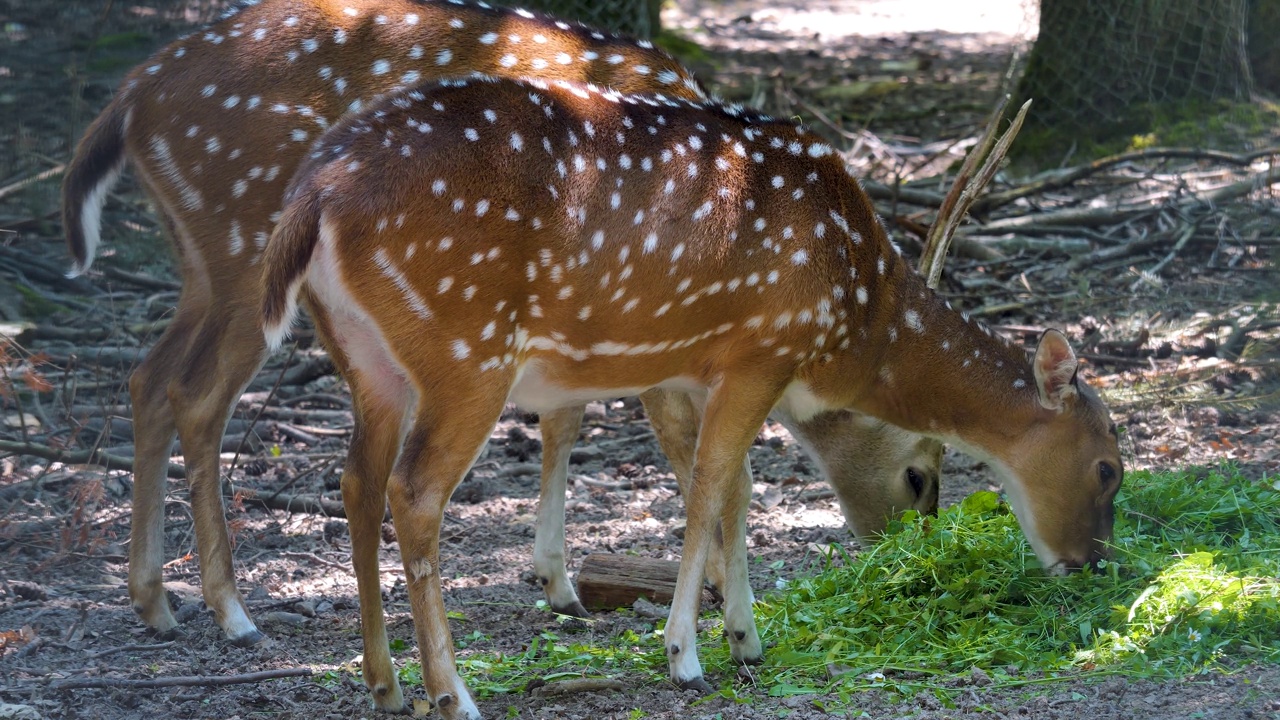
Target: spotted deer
pixel 875 469
pixel 550 243
pixel 213 125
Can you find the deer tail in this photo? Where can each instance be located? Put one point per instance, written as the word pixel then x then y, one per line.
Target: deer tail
pixel 285 262
pixel 94 169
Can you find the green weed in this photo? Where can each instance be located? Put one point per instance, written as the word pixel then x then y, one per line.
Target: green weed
pixel 1193 586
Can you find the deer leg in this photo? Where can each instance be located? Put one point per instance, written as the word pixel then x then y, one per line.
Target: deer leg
pixel 718 499
pixel 379 431
pixel 675 417
pixel 559 433
pixel 223 357
pixel 447 436
pixel 153 433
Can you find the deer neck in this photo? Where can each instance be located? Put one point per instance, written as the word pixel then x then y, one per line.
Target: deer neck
pixel 919 364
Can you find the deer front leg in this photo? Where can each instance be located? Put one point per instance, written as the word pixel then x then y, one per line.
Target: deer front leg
pixel 717 500
pixel 559 433
pixel 447 435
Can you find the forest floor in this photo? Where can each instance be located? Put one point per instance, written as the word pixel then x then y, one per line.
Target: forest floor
pixel 1173 307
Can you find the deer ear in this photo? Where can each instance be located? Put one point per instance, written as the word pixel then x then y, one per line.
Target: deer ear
pixel 1055 367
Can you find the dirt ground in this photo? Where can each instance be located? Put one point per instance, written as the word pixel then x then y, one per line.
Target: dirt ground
pixel 64 610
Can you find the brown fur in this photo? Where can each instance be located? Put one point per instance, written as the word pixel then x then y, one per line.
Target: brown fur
pixel 552 241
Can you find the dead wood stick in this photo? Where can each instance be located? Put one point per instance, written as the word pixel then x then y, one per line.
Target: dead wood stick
pixel 900 193
pixel 307 504
pixel 1131 248
pixel 182 681
pixel 1230 192
pixel 995 200
pixel 140 647
pixel 622 484
pixel 43 175
pixel 312 557
pixel 970 182
pixel 608 582
pixel 79 457
pixel 305 415
pixel 578 685
pixel 141 280
pixel 1088 217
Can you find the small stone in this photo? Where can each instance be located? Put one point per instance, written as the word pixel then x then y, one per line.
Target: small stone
pixel 284 618
pixel 186 612
pixel 334 530
pixel 28 591
pixel 645 609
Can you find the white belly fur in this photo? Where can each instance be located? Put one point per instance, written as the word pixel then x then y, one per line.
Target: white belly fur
pixel 533 391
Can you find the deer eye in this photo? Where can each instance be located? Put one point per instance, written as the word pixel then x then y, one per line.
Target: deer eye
pixel 1106 473
pixel 916 480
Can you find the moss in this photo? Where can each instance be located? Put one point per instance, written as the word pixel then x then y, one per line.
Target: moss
pixel 1217 124
pixel 682 48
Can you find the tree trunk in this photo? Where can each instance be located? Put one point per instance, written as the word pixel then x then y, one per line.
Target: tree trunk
pixel 1101 63
pixel 1264 44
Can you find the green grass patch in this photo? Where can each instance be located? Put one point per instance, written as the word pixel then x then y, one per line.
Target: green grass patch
pixel 1194 586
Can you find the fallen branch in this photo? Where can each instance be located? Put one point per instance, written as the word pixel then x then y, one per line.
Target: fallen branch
pixel 183 681
pixel 24 182
pixel 577 685
pixel 145 282
pixel 1131 248
pixel 969 184
pixel 308 504
pixel 140 647
pixel 995 200
pixel 79 457
pixel 312 557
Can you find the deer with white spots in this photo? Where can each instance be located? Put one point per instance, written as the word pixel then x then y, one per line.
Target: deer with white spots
pixel 214 124
pixel 563 242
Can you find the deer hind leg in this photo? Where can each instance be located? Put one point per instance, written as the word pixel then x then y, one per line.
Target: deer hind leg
pixel 718 500
pixel 379 431
pixel 559 433
pixel 675 418
pixel 450 430
pixel 153 433
pixel 223 356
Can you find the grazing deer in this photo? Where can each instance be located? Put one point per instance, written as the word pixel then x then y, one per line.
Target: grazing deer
pixel 214 124
pixel 551 243
pixel 876 470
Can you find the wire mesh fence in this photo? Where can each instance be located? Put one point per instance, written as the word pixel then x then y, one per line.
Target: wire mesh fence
pixel 1096 62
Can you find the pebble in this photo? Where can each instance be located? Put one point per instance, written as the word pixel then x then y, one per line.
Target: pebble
pixel 284 618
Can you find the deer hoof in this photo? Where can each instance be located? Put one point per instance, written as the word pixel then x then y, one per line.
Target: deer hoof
pixel 574 609
pixel 701 686
pixel 248 639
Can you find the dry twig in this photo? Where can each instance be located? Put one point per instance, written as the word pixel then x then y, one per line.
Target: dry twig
pixel 202 680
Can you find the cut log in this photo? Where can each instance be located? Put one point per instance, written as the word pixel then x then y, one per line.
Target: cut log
pixel 609 582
